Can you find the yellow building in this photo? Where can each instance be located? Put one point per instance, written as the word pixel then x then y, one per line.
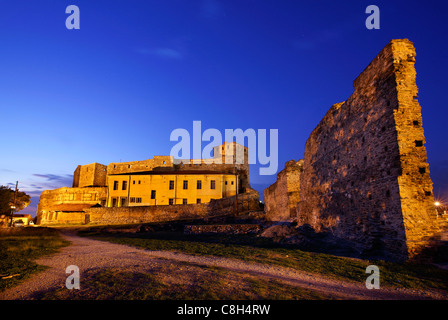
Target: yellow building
pixel 169 187
pixel 162 180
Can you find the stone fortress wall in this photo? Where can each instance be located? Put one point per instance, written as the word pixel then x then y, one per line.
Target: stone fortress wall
pixel 282 197
pixel 365 174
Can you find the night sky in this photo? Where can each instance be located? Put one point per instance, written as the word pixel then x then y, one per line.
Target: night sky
pixel 135 71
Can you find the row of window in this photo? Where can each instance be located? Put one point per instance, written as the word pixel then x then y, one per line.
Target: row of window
pixel 184 201
pixel 198 184
pixel 139 200
pixel 124 185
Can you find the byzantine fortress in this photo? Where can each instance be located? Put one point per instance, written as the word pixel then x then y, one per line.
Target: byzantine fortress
pixel 364 177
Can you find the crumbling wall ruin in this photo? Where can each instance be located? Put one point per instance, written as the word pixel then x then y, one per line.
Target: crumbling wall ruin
pixel 366 177
pixel 282 197
pixel 365 174
pixel 56 213
pixel 66 205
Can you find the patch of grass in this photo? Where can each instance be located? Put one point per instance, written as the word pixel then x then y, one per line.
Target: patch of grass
pixel 19 246
pixel 203 284
pixel 255 249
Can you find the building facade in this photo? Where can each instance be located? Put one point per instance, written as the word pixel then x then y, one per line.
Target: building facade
pixel 169 187
pixel 159 181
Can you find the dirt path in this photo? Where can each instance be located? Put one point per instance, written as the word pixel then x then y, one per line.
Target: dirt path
pixel 88 254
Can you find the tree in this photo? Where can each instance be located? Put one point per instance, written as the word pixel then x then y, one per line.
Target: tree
pixel 22 200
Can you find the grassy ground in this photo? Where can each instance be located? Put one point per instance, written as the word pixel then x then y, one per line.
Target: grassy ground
pixel 252 248
pixel 181 282
pixel 19 247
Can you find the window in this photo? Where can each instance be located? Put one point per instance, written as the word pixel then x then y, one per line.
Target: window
pixel 115 166
pixel 212 184
pixel 171 184
pixel 153 194
pixel 231 183
pixel 133 181
pixel 115 185
pixel 129 166
pixel 170 201
pixel 198 200
pixel 138 200
pixel 132 199
pixel 124 186
pixel 139 181
pixel 184 201
pixel 418 143
pixel 123 202
pixel 226 182
pixel 422 170
pixel 199 184
pixel 114 202
pixel 185 184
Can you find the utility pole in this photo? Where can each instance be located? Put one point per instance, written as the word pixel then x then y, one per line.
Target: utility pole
pixel 236 194
pixel 13 207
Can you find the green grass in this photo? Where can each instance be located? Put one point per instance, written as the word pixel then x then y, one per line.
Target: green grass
pixel 20 246
pixel 255 249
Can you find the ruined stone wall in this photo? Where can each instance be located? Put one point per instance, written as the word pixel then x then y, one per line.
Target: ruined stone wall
pixel 223 229
pixel 281 198
pixel 51 211
pixel 59 205
pixel 366 176
pixel 162 213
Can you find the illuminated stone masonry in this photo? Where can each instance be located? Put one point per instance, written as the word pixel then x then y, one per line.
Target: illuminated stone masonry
pixel 365 174
pixel 282 197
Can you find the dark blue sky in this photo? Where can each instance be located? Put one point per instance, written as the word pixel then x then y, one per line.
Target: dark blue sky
pixel 136 70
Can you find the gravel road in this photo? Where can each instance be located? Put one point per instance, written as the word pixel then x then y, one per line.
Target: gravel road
pixel 88 254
